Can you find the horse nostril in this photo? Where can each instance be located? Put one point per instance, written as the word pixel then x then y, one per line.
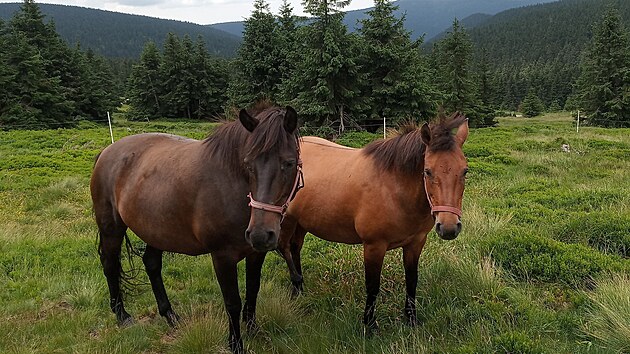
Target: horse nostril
pixel 459 226
pixel 438 228
pixel 248 236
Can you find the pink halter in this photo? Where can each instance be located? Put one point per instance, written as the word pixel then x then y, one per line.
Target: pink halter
pixel 437 208
pixel 281 209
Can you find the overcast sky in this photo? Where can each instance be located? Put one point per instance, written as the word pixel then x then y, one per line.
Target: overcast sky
pixel 196 11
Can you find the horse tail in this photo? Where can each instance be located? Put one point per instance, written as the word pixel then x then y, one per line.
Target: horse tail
pixel 96 158
pixel 129 281
pixel 128 277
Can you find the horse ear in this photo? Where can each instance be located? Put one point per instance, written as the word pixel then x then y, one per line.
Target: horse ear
pixel 425 134
pixel 290 120
pixel 250 123
pixel 462 133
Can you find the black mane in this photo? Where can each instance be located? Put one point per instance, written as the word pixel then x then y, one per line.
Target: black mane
pixel 405 151
pixel 231 142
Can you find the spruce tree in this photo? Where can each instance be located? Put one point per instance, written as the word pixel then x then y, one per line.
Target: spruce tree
pixel 7 73
pixel 37 102
pixel 604 84
pixel 210 91
pixel 325 85
pixel 532 106
pixel 286 34
pixel 97 96
pixel 258 63
pixel 145 85
pixel 452 63
pixel 396 80
pixel 171 72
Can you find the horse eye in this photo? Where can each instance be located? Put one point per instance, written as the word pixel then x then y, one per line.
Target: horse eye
pixel 465 172
pixel 427 172
pixel 288 164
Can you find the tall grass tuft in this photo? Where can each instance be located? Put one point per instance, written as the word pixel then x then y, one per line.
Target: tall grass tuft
pixel 608 317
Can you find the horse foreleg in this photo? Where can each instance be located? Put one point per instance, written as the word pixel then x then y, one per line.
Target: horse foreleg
pixel 253 268
pixel 109 249
pixel 290 244
pixel 373 255
pixel 152 260
pixel 226 271
pixel 297 241
pixel 411 254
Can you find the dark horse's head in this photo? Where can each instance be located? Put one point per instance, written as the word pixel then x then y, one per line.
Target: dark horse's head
pixel 445 171
pixel 271 162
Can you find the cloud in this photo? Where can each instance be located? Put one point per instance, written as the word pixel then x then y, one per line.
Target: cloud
pixel 174 3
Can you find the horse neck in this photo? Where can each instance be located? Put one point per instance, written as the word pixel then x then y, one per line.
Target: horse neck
pixel 224 149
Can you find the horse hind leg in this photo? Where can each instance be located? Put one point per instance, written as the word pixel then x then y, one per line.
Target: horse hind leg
pixel 152 260
pixel 111 236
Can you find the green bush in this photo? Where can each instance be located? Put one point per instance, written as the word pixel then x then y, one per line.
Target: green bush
pixel 602 231
pixel 532 257
pixel 357 139
pixel 515 342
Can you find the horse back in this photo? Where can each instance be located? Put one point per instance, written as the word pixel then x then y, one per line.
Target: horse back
pixel 347 199
pixel 164 188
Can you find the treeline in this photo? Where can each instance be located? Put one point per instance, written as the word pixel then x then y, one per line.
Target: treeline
pixel 334 78
pixel 44 83
pixel 183 80
pixel 539 49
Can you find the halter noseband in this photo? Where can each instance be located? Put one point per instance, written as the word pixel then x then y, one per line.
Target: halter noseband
pixel 438 208
pixel 281 209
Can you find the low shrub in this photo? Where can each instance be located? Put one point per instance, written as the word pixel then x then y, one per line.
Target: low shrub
pixel 532 257
pixel 602 231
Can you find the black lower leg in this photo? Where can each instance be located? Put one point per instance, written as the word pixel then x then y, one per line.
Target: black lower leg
pixel 253 266
pixel 373 259
pixel 411 254
pixel 152 260
pixel 110 259
pixel 227 276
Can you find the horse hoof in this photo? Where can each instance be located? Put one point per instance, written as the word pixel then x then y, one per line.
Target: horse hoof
pixel 172 318
pixel 412 321
pixel 252 326
pixel 126 322
pixel 236 347
pixel 371 329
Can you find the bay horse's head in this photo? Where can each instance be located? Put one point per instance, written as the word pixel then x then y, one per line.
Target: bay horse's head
pixel 445 171
pixel 272 163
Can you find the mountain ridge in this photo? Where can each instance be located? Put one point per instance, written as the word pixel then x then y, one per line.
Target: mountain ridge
pixel 121 35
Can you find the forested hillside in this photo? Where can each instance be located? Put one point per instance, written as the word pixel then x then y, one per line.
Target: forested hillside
pixel 428 17
pixel 121 35
pixel 539 47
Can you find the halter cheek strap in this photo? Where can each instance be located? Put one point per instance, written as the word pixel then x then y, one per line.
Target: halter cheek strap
pixel 281 209
pixel 440 208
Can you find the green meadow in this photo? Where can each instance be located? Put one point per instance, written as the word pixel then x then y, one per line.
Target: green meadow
pixel 542 264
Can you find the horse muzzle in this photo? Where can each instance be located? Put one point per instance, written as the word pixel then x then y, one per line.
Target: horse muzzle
pixel 448 231
pixel 262 240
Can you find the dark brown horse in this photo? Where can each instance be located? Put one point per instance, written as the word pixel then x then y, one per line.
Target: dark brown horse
pixel 189 196
pixel 387 195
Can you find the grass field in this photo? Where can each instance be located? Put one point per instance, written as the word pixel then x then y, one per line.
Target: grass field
pixel 540 267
